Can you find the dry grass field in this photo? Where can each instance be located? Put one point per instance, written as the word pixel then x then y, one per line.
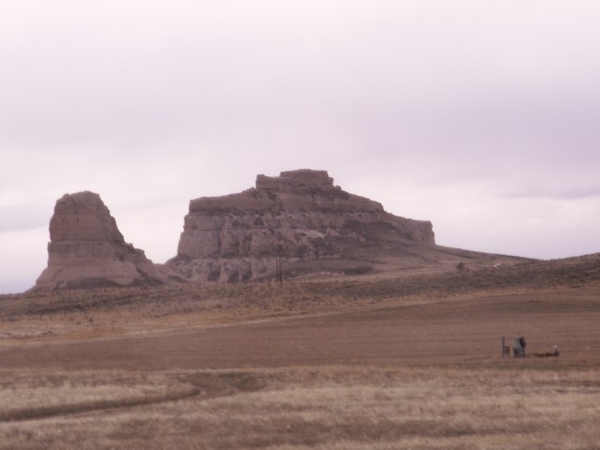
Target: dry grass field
pixel 334 363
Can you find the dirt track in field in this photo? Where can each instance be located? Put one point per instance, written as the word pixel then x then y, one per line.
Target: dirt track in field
pixel 464 331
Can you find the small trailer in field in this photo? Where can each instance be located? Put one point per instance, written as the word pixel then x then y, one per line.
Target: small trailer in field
pixel 519 347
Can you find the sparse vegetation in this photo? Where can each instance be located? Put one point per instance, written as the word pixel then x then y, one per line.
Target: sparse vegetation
pixel 326 408
pixel 352 363
pixel 231 302
pixel 30 395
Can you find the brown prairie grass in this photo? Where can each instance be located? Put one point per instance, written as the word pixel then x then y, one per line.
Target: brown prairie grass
pixel 457 395
pixel 312 408
pixel 97 313
pixel 30 395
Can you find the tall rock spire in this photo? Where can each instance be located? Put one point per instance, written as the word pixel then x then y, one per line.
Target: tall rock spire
pixel 87 249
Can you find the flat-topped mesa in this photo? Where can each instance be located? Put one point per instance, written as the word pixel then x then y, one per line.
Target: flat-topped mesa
pixel 297 190
pixel 299 215
pixel 298 181
pixel 87 249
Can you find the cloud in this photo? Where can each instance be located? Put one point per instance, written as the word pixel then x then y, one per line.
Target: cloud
pixel 558 192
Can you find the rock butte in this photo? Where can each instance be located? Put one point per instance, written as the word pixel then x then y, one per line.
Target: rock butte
pixel 296 217
pixel 87 250
pixel 295 224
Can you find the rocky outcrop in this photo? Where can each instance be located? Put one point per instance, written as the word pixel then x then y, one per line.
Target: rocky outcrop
pixel 87 249
pixel 296 217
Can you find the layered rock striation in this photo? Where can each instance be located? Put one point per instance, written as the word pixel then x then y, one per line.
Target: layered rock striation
pixel 87 250
pixel 296 217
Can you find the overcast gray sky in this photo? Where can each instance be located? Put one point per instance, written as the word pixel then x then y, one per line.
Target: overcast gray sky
pixel 483 117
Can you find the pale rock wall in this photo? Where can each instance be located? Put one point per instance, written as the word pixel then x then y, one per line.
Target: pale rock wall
pixel 294 216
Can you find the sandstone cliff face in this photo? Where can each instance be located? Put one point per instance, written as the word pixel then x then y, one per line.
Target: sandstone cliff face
pixel 87 249
pixel 297 216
